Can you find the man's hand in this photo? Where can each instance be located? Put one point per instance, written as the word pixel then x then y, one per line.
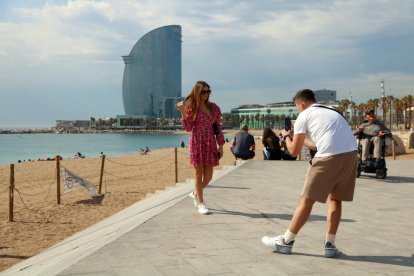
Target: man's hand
pixel 287 132
pixel 360 128
pixel 381 133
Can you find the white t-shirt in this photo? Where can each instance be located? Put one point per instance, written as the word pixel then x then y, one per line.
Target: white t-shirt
pixel 327 129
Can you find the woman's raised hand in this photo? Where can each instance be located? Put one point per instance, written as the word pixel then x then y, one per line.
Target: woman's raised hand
pixel 180 106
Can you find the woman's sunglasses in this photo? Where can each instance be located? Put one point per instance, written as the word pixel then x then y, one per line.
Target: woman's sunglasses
pixel 204 92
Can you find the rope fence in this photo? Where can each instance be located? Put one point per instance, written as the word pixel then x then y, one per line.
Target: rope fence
pixel 26 182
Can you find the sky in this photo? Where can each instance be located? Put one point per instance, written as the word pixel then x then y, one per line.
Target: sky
pixel 61 59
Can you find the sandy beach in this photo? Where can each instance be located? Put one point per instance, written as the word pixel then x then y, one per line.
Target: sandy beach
pixel 39 222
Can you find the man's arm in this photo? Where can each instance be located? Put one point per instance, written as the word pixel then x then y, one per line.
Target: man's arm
pixel 384 130
pixel 295 145
pixel 311 145
pixel 253 146
pixel 233 143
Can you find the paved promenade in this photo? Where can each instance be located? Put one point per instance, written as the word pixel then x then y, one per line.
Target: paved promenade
pixel 164 235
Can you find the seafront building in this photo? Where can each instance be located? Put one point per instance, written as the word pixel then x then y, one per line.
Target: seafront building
pixel 273 114
pixel 152 76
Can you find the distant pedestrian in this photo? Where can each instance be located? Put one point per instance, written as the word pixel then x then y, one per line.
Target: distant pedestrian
pixel 182 144
pixel 331 176
pixel 198 116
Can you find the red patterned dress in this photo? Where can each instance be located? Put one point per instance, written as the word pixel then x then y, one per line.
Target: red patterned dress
pixel 202 141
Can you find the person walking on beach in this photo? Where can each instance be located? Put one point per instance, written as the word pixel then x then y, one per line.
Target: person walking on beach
pixel 331 176
pixel 198 116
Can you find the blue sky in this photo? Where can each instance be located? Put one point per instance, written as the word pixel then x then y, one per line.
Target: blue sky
pixel 62 59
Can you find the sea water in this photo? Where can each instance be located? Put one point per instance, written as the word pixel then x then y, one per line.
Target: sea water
pixel 14 147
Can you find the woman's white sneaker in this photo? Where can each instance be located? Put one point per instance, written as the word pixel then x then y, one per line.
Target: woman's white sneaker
pixel 202 209
pixel 192 195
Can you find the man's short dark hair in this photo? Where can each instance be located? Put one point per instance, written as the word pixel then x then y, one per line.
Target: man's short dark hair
pixel 305 95
pixel 244 127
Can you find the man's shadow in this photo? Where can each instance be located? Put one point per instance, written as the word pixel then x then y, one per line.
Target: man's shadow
pixel 391 260
pixel 271 216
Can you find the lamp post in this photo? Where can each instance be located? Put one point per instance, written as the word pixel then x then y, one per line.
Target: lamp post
pixel 383 100
pixel 352 110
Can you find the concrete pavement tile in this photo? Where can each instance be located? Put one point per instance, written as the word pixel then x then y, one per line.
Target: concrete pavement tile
pixel 203 243
pixel 255 268
pixel 141 270
pixel 205 265
pixel 86 273
pixel 229 256
pixel 182 270
pixel 163 257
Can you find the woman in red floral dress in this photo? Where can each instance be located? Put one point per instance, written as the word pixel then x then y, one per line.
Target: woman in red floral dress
pixel 198 117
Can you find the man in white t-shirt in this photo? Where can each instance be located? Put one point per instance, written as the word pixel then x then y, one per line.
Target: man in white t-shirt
pixel 331 176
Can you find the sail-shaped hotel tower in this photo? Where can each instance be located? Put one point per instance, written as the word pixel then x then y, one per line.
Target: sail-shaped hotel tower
pixel 152 75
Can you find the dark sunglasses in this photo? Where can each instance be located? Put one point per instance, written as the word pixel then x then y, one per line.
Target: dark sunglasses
pixel 203 92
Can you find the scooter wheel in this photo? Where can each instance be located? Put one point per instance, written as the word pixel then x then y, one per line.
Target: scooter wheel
pixel 381 173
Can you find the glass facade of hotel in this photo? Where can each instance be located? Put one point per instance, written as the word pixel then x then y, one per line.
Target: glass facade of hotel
pixel 153 72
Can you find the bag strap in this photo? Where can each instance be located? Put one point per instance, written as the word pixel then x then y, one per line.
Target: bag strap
pixel 322 106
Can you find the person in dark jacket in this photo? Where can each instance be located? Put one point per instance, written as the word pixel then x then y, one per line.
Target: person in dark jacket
pixel 271 143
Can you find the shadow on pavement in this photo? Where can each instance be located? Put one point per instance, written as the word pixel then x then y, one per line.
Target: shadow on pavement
pixel 271 216
pixel 392 260
pixel 390 179
pixel 228 187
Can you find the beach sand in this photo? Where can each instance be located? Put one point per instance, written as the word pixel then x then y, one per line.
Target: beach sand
pixel 39 222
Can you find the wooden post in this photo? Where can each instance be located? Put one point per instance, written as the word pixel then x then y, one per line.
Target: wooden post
pixel 299 156
pixel 393 148
pixel 176 165
pixel 58 178
pixel 101 176
pixel 11 193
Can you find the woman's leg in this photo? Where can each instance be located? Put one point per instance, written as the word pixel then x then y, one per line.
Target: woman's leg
pixel 198 178
pixel 207 175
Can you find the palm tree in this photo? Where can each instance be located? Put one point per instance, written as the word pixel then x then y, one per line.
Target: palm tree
pixel 242 118
pixel 226 118
pixel 354 108
pixel 408 105
pixel 92 122
pixel 361 109
pixel 262 120
pixel 372 104
pixel 277 120
pixel 390 100
pixel 398 107
pixel 256 120
pixel 343 105
pixel 247 120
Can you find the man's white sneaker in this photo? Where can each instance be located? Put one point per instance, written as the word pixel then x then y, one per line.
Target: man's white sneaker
pixel 202 209
pixel 192 195
pixel 279 243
